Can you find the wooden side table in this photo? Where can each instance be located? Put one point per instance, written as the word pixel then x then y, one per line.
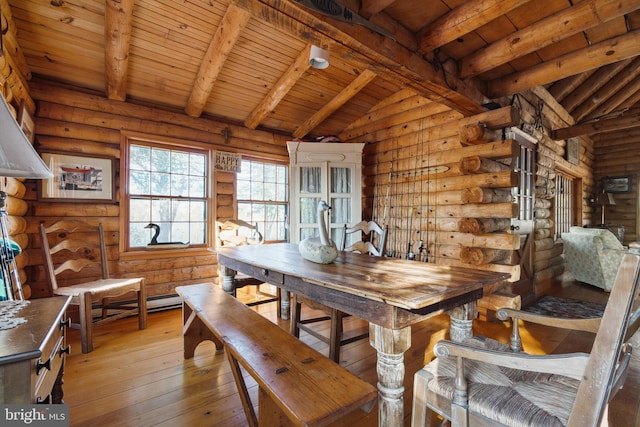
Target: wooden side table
pixel 32 354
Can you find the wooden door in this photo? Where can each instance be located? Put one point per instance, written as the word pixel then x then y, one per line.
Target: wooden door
pixel 524 225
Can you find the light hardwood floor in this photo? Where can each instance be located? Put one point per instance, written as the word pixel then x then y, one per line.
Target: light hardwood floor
pixel 140 378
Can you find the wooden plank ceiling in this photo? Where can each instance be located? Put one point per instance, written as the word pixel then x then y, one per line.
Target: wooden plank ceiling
pixel 246 61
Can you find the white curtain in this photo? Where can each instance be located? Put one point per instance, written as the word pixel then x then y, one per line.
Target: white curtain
pixel 341 206
pixel 310 180
pixel 340 184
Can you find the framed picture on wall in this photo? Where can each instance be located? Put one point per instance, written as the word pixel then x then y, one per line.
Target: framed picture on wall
pixel 78 178
pixel 617 184
pixel 573 151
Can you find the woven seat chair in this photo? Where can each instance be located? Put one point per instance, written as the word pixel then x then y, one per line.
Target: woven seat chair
pixel 483 382
pixel 372 241
pixel 76 264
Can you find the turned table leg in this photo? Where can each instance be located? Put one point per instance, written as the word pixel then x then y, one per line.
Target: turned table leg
pixel 391 345
pixel 462 321
pixel 227 276
pixel 285 305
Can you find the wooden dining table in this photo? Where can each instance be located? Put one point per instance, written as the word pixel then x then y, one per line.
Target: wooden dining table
pixel 390 293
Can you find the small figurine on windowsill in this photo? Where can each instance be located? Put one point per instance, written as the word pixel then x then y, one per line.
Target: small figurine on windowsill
pixel 154 244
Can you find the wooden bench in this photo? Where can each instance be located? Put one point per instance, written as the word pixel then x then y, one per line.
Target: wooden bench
pixel 297 385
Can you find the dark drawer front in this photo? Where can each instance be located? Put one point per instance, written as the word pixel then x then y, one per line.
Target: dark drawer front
pixel 268 276
pixel 45 369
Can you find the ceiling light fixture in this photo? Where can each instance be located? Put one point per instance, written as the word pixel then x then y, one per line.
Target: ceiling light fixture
pixel 318 57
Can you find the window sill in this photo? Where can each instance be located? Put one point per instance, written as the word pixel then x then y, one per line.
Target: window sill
pixel 164 253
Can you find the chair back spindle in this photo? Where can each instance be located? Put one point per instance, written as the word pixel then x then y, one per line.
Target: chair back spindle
pixel 374 238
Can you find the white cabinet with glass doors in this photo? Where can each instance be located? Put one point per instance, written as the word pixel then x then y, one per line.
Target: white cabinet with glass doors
pixel 324 171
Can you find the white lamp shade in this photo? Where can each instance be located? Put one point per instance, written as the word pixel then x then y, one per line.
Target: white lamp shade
pixel 18 158
pixel 318 58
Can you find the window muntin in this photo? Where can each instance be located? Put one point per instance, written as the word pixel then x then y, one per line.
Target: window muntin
pixel 564 204
pixel 524 193
pixel 167 185
pixel 262 192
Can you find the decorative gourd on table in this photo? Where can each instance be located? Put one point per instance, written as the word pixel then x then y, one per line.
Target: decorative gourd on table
pixel 319 249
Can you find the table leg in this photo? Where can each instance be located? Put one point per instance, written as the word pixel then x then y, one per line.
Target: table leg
pixel 285 308
pixel 462 321
pixel 227 276
pixel 391 345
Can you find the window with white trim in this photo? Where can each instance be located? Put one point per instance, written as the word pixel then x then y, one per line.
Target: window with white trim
pixel 262 192
pixel 167 185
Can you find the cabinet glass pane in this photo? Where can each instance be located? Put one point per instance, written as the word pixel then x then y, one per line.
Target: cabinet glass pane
pixel 340 180
pixel 308 210
pixel 310 180
pixel 340 210
pixel 336 236
pixel 308 232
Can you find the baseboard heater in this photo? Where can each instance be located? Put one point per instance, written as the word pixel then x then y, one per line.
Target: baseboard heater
pixel 154 304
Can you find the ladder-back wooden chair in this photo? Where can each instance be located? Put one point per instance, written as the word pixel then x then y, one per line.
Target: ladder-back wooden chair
pixel 372 242
pixel 236 232
pixel 371 238
pixel 76 265
pixel 483 382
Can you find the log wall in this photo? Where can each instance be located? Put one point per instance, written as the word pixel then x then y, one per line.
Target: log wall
pixel 14 89
pixel 439 181
pixel 82 123
pixel 444 195
pixel 444 198
pixel 617 156
pixel 542 114
pixel 442 184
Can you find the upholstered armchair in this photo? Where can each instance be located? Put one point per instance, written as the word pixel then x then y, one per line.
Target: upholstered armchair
pixel 593 255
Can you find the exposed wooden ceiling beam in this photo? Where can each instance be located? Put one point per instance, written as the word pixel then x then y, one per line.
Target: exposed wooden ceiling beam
pixel 550 102
pixel 117 42
pixel 616 100
pixel 597 55
pixel 465 18
pixel 371 7
pixel 226 36
pixel 601 104
pixel 393 113
pixel 361 46
pixel 338 101
pixel 562 89
pixel 280 89
pixel 595 81
pixel 403 97
pixel 630 119
pixel 545 32
pixel 631 101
